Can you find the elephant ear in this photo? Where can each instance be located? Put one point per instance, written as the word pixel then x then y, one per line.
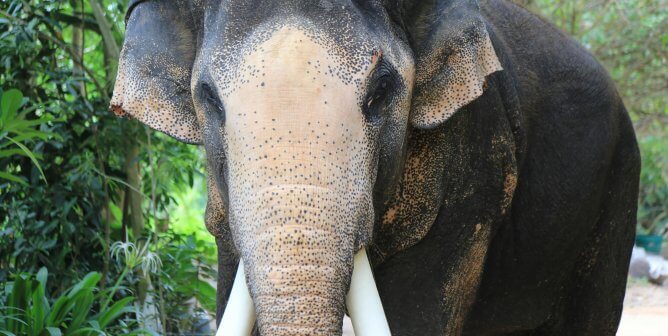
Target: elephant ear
pixel 454 55
pixel 155 66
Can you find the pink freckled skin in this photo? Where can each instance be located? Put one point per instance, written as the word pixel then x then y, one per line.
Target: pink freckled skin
pixel 376 56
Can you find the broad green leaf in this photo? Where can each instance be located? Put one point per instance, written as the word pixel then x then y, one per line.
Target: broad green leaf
pixel 42 276
pixel 58 312
pixel 54 331
pixel 206 295
pixel 31 156
pixel 76 295
pixel 11 102
pixel 19 299
pixel 89 281
pixel 13 178
pixel 38 310
pixel 94 324
pixel 118 308
pixel 14 318
pixel 9 152
pixel 83 303
pixel 29 134
pixel 87 331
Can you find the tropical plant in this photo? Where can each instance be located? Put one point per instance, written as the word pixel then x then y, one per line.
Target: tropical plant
pixel 187 278
pixel 61 56
pixel 27 309
pixel 61 225
pixel 653 200
pixel 16 131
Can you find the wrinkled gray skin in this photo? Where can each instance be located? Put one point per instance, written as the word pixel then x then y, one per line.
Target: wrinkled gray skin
pixel 333 125
pixel 303 108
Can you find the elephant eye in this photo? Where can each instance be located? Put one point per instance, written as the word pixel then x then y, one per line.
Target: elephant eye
pixel 377 97
pixel 212 101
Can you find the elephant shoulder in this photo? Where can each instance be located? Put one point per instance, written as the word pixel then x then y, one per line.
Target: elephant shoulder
pixel 553 73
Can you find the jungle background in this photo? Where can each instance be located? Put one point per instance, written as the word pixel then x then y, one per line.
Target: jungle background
pixel 101 219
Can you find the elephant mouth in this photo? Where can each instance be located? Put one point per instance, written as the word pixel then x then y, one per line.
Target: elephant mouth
pixel 362 301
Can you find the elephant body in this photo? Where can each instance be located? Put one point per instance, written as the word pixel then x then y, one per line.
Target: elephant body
pixel 483 158
pixel 556 262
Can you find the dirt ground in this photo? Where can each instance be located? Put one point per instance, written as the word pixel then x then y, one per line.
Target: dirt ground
pixel 645 311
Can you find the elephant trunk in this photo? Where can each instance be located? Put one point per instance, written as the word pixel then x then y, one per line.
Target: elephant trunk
pixel 299 307
pixel 300 173
pixel 298 253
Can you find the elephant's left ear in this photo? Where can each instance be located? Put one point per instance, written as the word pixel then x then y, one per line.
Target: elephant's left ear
pixel 155 67
pixel 454 55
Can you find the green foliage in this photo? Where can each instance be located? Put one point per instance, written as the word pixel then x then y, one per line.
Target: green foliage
pixel 186 274
pixel 653 201
pixel 187 220
pixel 27 309
pixel 54 53
pixel 39 222
pixel 15 131
pixel 84 159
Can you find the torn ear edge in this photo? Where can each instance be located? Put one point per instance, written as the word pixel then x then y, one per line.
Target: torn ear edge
pixel 160 104
pixel 442 89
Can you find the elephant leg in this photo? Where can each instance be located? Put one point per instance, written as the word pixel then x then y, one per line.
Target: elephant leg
pixel 593 302
pixel 428 288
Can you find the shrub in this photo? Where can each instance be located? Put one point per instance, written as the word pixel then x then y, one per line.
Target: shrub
pixel 28 311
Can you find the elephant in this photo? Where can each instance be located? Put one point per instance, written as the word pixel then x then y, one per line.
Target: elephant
pixel 483 158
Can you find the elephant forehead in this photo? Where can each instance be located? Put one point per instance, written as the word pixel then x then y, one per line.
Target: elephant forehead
pixel 292 49
pixel 294 76
pixel 296 138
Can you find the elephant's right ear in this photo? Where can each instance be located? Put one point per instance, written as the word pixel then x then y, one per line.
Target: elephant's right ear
pixel 155 66
pixel 454 55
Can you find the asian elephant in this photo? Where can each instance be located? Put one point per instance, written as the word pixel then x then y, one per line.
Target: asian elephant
pixel 483 158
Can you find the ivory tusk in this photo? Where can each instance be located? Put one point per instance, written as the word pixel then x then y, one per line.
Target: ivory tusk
pixel 363 300
pixel 239 316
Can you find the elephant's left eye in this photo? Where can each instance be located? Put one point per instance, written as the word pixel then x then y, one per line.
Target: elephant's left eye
pixel 212 101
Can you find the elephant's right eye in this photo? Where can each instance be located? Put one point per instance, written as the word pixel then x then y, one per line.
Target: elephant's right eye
pixel 383 83
pixel 212 102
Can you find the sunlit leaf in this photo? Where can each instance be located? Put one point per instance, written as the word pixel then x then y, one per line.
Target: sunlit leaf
pixel 31 156
pixel 10 103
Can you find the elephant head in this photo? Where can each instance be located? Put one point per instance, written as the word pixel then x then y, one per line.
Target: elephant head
pixel 305 109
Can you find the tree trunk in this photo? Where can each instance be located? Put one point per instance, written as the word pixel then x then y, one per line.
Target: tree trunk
pixel 78 48
pixel 111 49
pixel 135 216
